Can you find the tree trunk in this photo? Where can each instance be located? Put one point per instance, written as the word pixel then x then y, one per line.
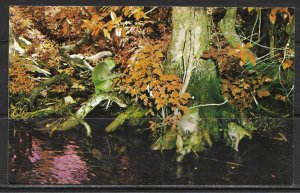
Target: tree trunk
pixel 190 37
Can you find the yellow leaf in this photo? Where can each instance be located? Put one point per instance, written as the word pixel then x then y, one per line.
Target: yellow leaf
pixel 65 27
pixel 186 95
pixel 250 9
pixel 272 15
pixel 287 64
pixel 280 97
pixel 272 18
pixel 106 33
pixel 262 93
pixel 235 90
pixel 247 45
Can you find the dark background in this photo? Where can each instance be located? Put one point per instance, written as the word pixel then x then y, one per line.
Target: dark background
pixel 4 13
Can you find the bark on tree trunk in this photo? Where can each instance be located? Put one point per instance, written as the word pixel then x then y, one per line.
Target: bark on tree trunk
pixel 190 37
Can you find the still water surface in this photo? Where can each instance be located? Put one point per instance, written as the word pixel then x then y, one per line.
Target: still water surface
pixel 124 158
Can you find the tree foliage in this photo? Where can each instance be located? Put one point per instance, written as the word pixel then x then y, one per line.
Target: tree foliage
pixel 255 70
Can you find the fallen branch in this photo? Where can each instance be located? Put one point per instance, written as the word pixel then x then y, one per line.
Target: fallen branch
pixel 74 120
pixel 54 79
pixel 133 112
pixel 73 47
pixel 93 58
pixel 207 105
pixel 42 113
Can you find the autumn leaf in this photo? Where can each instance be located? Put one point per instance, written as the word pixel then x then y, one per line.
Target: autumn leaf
pixel 263 93
pixel 186 95
pixel 287 64
pixel 280 97
pixel 174 101
pixel 272 16
pixel 250 9
pixel 183 108
pixel 159 104
pixel 65 27
pixel 235 90
pixel 106 33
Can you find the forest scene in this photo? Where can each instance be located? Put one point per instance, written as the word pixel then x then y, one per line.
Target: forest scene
pixel 151 95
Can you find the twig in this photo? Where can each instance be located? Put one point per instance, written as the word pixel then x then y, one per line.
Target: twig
pixel 108 145
pixel 254 27
pixel 150 10
pixel 73 47
pixel 290 91
pixel 92 58
pixel 213 159
pixel 83 59
pixel 259 25
pixel 206 105
pixel 279 67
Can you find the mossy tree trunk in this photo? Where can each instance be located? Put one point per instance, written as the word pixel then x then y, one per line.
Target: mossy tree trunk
pixel 190 37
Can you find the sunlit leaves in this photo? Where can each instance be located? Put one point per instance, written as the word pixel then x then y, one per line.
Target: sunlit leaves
pixel 94 25
pixel 20 81
pixel 287 64
pixel 250 9
pixel 280 97
pixel 99 21
pixel 137 12
pixel 237 83
pixel 263 93
pixel 145 80
pixel 243 53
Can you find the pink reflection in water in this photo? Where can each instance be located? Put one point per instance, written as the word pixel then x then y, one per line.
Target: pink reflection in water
pixel 69 168
pixel 56 166
pixel 35 152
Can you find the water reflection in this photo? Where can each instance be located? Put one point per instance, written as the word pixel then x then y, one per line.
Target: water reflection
pixel 37 161
pixel 69 168
pixel 124 158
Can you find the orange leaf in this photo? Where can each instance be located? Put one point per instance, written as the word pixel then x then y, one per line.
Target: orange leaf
pixel 287 64
pixel 65 27
pixel 280 97
pixel 186 95
pixel 183 108
pixel 272 15
pixel 262 93
pixel 235 90
pixel 144 88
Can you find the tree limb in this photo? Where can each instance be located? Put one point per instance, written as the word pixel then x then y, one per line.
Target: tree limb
pixel 95 99
pixel 133 112
pixel 93 58
pixel 73 47
pixel 227 26
pixel 54 79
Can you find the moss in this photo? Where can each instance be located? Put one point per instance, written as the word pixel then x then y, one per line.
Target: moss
pixel 132 112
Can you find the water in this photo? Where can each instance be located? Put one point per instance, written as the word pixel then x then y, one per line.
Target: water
pixel 124 158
